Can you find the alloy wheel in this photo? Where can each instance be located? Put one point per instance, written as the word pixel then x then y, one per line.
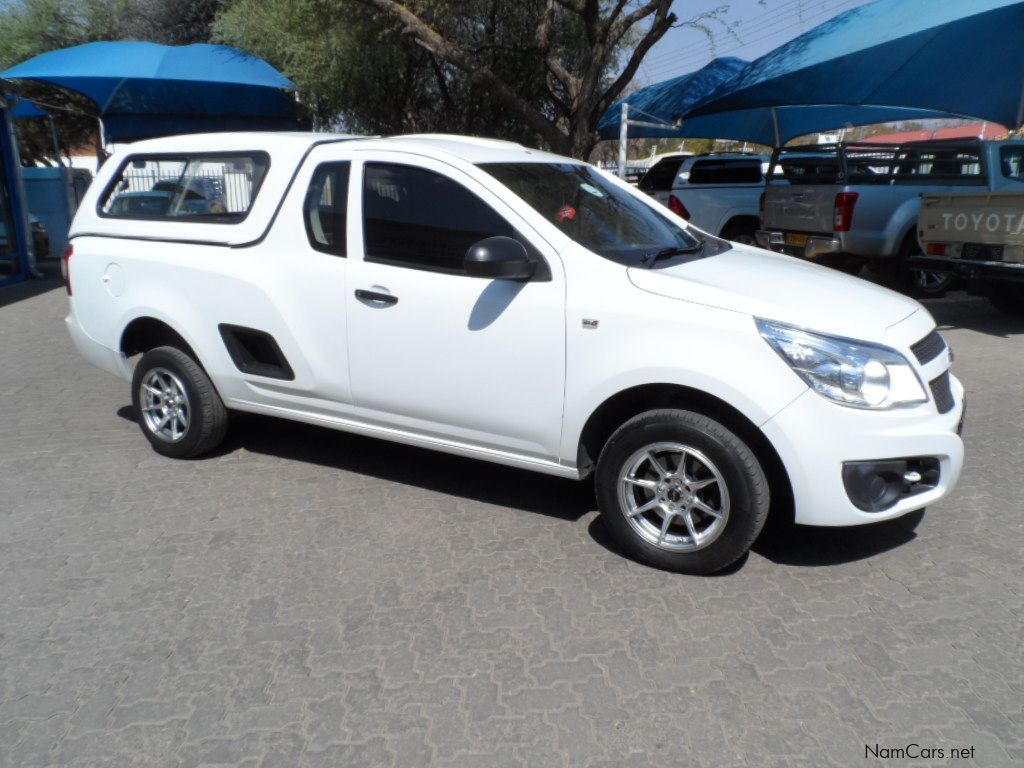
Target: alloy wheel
pixel 674 497
pixel 165 406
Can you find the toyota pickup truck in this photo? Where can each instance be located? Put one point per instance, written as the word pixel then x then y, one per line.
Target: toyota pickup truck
pixel 509 305
pixel 847 205
pixel 980 237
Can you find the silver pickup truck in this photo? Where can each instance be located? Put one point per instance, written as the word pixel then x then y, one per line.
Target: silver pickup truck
pixel 848 205
pixel 980 237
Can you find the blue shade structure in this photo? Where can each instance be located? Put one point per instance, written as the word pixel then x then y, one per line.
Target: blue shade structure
pixel 144 89
pixel 663 105
pixel 958 57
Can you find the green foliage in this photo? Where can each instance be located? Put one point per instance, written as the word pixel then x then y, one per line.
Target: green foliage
pixel 361 68
pixel 358 70
pixel 34 26
pixel 31 27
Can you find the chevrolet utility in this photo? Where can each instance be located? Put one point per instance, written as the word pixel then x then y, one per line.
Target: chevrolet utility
pixel 502 303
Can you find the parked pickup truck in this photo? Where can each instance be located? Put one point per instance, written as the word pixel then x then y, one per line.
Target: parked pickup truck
pixel 717 192
pixel 850 204
pixel 980 237
pixel 506 304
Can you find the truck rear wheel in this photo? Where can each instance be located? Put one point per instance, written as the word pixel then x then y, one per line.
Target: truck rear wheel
pixel 680 491
pixel 176 404
pixel 740 231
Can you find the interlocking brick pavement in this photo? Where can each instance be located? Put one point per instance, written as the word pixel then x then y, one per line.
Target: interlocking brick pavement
pixel 310 598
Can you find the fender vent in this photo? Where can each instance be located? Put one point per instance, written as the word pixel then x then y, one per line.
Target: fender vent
pixel 255 352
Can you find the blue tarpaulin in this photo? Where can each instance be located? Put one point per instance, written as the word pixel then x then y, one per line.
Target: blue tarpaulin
pixel 666 103
pixel 961 57
pixel 144 89
pixel 23 108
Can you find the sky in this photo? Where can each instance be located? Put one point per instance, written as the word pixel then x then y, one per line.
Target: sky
pixel 757 27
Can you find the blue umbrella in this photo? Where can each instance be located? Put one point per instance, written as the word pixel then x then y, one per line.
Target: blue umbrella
pixel 960 57
pixel 660 108
pixel 144 89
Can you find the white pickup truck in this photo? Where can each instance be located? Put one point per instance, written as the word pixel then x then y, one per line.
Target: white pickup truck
pixel 849 204
pixel 980 236
pixel 506 304
pixel 718 192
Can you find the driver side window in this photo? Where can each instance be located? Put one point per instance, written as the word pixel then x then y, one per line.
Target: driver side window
pixel 419 219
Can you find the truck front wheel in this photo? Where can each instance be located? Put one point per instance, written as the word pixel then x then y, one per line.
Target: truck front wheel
pixel 681 492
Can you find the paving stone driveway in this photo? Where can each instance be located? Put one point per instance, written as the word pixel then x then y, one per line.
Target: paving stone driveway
pixel 311 598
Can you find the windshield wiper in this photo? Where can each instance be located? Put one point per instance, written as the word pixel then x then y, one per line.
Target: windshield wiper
pixel 649 258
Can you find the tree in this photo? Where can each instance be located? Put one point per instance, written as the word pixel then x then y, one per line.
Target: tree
pixel 540 72
pixel 579 87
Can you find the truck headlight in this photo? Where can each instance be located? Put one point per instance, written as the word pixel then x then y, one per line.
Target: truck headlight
pixel 847 371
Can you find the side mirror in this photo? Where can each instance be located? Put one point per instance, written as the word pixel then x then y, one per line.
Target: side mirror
pixel 499 258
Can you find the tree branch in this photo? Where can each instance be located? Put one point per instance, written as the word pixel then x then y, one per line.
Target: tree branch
pixel 571 6
pixel 426 36
pixel 442 85
pixel 663 21
pixel 615 13
pixel 658 7
pixel 568 80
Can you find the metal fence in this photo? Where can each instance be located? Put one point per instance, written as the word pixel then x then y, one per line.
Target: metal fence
pixel 215 183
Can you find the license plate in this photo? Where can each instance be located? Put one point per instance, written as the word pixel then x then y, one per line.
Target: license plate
pixel 795 239
pixel 982 252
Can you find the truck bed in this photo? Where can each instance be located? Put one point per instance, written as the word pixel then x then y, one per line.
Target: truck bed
pixel 880 184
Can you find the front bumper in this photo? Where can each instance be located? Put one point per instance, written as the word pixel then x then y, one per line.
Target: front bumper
pixel 815 246
pixel 815 438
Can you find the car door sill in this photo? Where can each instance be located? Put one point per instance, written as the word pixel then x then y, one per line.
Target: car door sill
pixel 410 438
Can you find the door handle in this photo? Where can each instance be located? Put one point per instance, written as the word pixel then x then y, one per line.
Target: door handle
pixel 374 297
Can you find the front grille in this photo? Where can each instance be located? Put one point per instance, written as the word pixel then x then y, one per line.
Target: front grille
pixel 942 393
pixel 928 348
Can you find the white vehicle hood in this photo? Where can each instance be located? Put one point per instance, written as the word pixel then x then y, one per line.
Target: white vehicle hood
pixel 777 287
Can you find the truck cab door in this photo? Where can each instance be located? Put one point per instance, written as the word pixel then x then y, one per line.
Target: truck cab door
pixel 433 351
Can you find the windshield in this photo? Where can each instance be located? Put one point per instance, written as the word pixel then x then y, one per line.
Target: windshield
pixel 601 216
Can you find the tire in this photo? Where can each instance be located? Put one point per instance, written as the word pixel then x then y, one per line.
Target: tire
pixel 176 404
pixel 740 233
pixel 721 471
pixel 1008 299
pixel 921 284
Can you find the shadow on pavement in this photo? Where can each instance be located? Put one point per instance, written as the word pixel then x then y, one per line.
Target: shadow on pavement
pixel 407 465
pixel 975 313
pixel 781 542
pixel 789 544
pixel 599 532
pixel 12 294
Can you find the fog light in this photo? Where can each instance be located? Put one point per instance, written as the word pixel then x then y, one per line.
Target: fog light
pixel 875 486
